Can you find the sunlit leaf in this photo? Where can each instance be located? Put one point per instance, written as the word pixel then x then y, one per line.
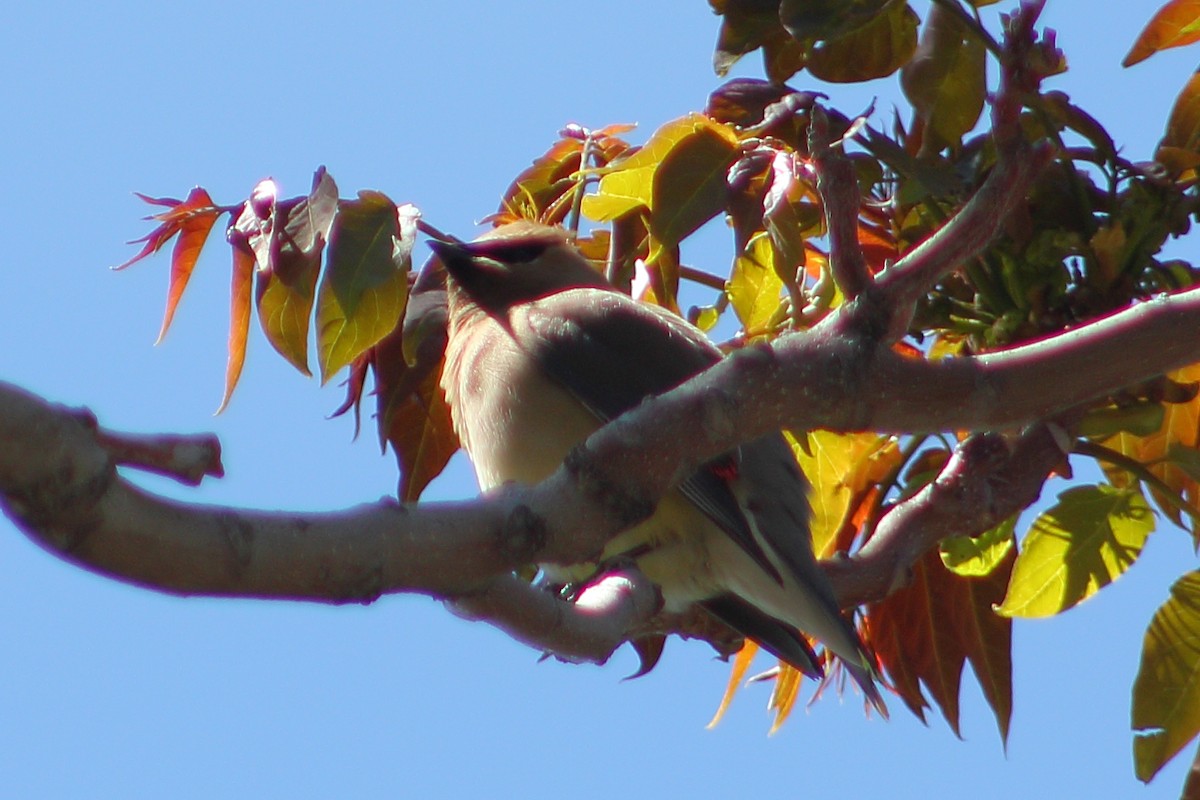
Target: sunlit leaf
pixel 191 219
pixel 840 467
pixel 977 556
pixel 678 177
pixel 689 184
pixel 1175 24
pixel 784 695
pixel 537 188
pixel 737 674
pixel 365 286
pixel 1166 692
pixel 754 288
pixel 1088 539
pixel 411 410
pixel 1180 428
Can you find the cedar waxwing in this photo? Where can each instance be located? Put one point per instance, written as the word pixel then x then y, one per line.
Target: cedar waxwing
pixel 542 351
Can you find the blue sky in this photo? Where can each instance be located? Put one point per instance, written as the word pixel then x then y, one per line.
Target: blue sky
pixel 108 690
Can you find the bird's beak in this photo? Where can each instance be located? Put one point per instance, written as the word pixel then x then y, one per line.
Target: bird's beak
pixel 450 251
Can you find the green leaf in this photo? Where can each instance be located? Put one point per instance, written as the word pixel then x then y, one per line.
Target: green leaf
pixel 1166 692
pixel 875 50
pixel 287 248
pixel 678 176
pixel 1074 549
pixel 822 20
pixel 689 185
pixel 977 556
pixel 946 79
pixel 365 286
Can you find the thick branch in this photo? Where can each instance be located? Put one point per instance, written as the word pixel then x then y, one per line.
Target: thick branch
pixel 58 483
pixel 987 480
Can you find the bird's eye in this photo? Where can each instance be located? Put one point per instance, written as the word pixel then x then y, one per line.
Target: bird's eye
pixel 516 253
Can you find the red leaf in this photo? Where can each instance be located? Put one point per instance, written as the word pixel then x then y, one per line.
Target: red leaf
pixel 926 632
pixel 239 299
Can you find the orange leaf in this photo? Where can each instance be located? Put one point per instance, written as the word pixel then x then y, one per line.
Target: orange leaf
pixel 194 228
pixel 741 663
pixel 926 632
pixel 1176 24
pixel 239 309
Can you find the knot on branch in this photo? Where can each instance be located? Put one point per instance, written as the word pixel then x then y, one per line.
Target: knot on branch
pixel 522 535
pixel 621 503
pixel 64 473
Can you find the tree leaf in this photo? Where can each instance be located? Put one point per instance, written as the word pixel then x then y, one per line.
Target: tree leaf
pixel 689 185
pixel 678 176
pixel 1175 24
pixel 754 288
pixel 741 663
pixel 840 468
pixel 1080 545
pixel 1166 692
pixel 824 20
pixel 925 633
pixel 746 25
pixel 365 285
pixel 287 248
pixel 1180 428
pixel 192 219
pixel 946 80
pixel 242 278
pixel 1179 150
pixel 874 50
pixel 410 408
pixel 977 556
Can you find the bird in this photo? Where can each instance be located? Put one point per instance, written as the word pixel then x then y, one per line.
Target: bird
pixel 542 350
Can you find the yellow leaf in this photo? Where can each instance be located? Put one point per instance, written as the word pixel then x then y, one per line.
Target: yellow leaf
pixel 678 176
pixel 838 465
pixel 1074 549
pixel 754 288
pixel 977 556
pixel 1166 692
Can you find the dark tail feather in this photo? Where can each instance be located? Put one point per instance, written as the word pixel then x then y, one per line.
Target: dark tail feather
pixel 777 638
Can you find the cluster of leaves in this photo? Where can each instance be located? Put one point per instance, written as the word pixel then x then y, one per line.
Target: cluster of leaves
pixel 1086 243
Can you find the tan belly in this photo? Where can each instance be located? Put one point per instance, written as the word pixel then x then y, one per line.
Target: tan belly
pixel 522 426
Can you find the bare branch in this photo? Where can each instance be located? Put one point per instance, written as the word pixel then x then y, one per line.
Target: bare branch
pixel 839 195
pixel 188 458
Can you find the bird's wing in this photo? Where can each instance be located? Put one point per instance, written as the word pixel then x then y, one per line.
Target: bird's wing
pixel 611 352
